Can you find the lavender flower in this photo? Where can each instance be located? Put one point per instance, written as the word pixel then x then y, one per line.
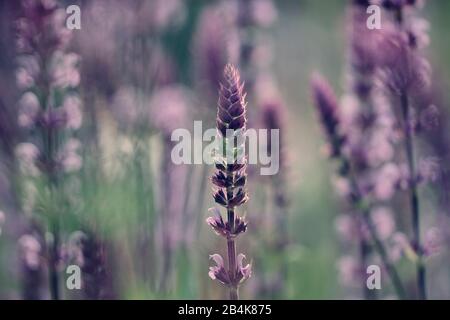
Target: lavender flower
pixel 361 135
pixel 407 74
pixel 211 51
pixel 90 253
pixel 46 68
pixel 230 181
pixel 169 107
pixel 32 263
pixel 327 106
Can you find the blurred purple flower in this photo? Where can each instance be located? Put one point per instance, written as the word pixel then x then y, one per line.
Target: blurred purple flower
pixel 429 118
pixel 27 72
pixel 29 108
pixel 434 242
pixel 30 250
pixel 429 170
pixel 383 221
pixel 170 107
pixel 27 154
pixel 64 70
pixel 263 12
pixel 73 113
pixel 328 110
pixel 68 158
pixel 349 271
pixel 402 69
pixel 212 49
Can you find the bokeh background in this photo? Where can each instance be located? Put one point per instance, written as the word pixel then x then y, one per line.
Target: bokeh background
pixel 144 70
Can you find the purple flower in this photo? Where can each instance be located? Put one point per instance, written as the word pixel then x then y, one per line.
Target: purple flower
pixel 223 228
pixel 242 272
pixel 434 242
pixel 263 12
pixel 231 106
pixel 27 154
pixel 64 71
pixel 218 271
pixel 383 222
pixel 28 110
pixel 68 158
pixel 30 250
pixel 349 271
pixel 73 113
pixel 211 51
pixel 429 170
pixel 327 106
pixel 402 69
pixel 169 108
pixel 230 180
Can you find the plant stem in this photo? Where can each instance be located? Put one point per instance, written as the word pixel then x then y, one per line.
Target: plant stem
pixel 364 254
pixel 390 268
pixel 414 198
pixel 54 277
pixel 234 294
pixel 379 246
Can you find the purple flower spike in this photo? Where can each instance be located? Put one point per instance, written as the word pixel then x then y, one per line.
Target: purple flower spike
pixel 230 180
pixel 231 112
pixel 327 106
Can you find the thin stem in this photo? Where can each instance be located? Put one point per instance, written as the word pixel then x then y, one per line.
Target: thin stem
pixel 414 198
pixel 379 246
pixel 364 253
pixel 390 268
pixel 54 277
pixel 234 294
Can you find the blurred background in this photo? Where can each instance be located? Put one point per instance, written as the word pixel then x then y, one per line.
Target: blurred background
pixel 104 194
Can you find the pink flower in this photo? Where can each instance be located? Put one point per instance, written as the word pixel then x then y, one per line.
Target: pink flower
pixel 218 271
pixel 27 154
pixel 242 272
pixel 349 270
pixel 69 158
pixel 72 108
pixel 30 251
pixel 434 242
pixel 264 13
pixel 65 70
pixel 386 181
pixel 347 227
pixel 383 222
pixel 28 110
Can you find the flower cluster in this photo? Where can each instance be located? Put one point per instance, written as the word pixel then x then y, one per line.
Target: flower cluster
pixel 230 178
pixel 49 108
pixel 365 128
pixel 48 76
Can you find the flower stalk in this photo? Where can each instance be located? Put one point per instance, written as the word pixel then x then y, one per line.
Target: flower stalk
pixel 230 180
